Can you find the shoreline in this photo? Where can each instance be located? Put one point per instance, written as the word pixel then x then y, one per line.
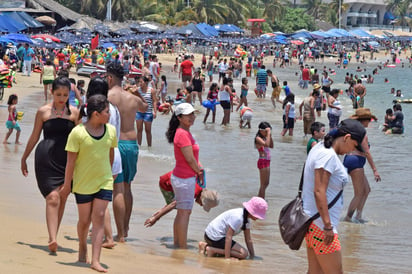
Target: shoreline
pixel 24 232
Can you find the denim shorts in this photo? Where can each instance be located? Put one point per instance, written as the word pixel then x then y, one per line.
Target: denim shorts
pixel 102 194
pixel 145 116
pixel 184 190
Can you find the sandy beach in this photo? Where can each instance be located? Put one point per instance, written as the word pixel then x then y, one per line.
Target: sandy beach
pixel 22 208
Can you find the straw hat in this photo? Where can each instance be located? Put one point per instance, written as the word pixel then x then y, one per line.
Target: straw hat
pixel 316 86
pixel 363 114
pixel 209 198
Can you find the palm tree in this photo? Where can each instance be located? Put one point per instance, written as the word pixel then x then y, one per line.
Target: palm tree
pixel 211 11
pixel 401 9
pixel 95 8
pixel 333 11
pixel 273 9
pixel 314 8
pixel 123 9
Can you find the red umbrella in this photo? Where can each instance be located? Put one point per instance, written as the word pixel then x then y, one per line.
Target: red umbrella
pixel 297 42
pixel 46 37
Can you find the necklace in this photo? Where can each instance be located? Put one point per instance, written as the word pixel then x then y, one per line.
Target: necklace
pixel 57 113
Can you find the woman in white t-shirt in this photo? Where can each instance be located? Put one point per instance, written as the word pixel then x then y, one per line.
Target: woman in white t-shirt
pixel 220 231
pixel 324 178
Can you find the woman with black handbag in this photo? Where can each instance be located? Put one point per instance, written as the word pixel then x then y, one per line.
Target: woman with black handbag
pixel 324 179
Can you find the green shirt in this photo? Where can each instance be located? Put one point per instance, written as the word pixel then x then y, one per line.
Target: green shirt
pixel 309 145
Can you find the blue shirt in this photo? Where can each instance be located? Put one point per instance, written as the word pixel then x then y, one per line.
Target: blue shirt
pixel 287 90
pixel 27 54
pixel 262 77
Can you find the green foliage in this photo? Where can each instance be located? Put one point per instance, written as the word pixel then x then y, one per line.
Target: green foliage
pixel 293 20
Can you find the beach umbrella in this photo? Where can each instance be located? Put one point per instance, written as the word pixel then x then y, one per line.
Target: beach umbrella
pixel 18 38
pixel 39 42
pixel 46 37
pixel 65 28
pixel 268 35
pixel 5 41
pixel 47 20
pixel 109 45
pixel 297 42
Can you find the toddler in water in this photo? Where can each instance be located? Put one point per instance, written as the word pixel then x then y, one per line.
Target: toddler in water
pixel 387 123
pixel 212 97
pixel 220 231
pixel 12 119
pixel 243 95
pixel 246 115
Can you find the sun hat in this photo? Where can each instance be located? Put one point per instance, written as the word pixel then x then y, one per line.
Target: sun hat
pixel 256 207
pixel 184 109
pixel 363 114
pixel 210 199
pixel 316 86
pixel 355 129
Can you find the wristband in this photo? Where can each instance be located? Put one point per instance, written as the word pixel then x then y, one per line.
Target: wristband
pixel 328 229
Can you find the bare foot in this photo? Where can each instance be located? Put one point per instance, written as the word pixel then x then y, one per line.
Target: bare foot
pixel 347 219
pixel 119 239
pixel 19 143
pixel 98 267
pixel 202 247
pixel 108 244
pixel 83 256
pixel 53 246
pixel 209 252
pixel 5 142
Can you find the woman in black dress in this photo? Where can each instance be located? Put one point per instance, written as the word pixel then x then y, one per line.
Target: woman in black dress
pixel 56 120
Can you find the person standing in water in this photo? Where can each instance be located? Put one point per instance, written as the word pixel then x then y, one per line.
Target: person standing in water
pixel 263 143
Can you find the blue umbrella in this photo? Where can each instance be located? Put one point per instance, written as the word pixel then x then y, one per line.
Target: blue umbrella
pixel 18 37
pixel 5 40
pixel 109 45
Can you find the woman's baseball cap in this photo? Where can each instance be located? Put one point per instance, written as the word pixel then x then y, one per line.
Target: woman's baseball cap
pixel 256 207
pixel 184 109
pixel 355 129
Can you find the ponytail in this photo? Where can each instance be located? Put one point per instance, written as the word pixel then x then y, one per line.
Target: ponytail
pixel 245 219
pixel 171 131
pixel 332 136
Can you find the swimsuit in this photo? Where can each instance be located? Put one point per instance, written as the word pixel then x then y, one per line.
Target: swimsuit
pixel 129 152
pixel 352 162
pixel 264 160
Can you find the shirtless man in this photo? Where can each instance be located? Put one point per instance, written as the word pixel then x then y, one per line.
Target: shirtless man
pixel 359 92
pixel 276 88
pixel 128 104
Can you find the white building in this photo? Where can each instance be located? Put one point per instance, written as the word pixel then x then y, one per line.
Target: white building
pixel 359 13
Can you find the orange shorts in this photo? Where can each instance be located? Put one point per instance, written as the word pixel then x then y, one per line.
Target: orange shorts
pixel 314 239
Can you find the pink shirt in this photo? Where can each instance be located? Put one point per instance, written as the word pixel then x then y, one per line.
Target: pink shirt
pixel 183 138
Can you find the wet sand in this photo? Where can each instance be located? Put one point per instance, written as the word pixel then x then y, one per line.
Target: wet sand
pixel 22 209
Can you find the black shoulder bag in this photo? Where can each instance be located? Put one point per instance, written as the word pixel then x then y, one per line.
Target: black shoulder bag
pixel 294 222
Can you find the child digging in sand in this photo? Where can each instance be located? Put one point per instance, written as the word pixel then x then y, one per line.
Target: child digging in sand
pixel 220 231
pixel 12 120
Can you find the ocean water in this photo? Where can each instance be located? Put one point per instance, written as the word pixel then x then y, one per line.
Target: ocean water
pixel 229 157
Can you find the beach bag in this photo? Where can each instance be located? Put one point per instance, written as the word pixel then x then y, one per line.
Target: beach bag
pixel 294 222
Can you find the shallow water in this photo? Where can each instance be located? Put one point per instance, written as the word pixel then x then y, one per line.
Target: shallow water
pixel 229 156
